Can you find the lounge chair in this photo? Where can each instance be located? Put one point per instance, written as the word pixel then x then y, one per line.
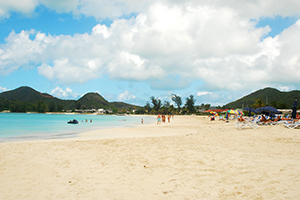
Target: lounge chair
pixel 242 122
pixel 276 121
pixel 262 121
pixel 292 124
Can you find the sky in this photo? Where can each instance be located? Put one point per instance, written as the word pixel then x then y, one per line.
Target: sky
pixel 129 50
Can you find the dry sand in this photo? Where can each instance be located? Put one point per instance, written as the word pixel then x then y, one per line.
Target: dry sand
pixel 190 158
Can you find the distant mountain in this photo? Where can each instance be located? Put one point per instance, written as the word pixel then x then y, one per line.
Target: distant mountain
pixel 24 93
pixel 31 96
pixel 122 105
pixel 93 100
pixel 269 96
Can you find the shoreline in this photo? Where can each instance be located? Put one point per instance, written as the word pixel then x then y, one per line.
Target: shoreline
pixel 131 131
pixel 65 131
pixel 189 158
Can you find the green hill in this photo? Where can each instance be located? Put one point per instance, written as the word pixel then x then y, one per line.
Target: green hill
pixel 4 104
pixel 24 93
pixel 269 96
pixel 27 99
pixel 122 105
pixel 31 96
pixel 94 100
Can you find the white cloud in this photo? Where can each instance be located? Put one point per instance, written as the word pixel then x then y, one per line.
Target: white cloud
pixel 125 96
pixel 114 9
pixel 132 67
pixel 99 9
pixel 111 9
pixel 203 93
pixel 20 50
pixel 168 44
pixel 285 88
pixel 60 93
pixel 266 8
pixel 25 7
pixel 171 83
pixel 61 6
pixel 2 89
pixel 66 71
pixel 101 29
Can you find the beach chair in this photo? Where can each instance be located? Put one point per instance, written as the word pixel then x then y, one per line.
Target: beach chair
pixel 242 122
pixel 292 124
pixel 276 121
pixel 262 120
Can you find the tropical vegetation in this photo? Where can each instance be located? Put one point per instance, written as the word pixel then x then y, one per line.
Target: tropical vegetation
pixel 26 99
pixel 156 106
pixel 266 96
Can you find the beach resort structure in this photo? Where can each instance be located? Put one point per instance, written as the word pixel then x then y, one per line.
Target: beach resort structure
pixel 99 111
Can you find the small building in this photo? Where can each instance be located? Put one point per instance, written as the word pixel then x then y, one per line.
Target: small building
pixel 85 110
pixel 101 111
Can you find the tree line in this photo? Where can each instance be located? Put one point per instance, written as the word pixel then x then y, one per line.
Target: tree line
pixel 259 103
pixel 156 106
pixel 23 106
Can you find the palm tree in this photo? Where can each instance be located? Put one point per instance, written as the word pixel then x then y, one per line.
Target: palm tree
pixel 177 100
pixel 156 103
pixel 190 102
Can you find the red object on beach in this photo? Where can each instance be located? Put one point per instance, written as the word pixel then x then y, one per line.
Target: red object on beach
pixel 216 110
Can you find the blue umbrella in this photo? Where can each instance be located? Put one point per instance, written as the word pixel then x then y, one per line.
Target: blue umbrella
pixel 268 110
pixel 294 108
pixel 272 115
pixel 250 110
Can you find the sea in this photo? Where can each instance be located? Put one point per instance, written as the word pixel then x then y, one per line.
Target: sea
pixel 31 126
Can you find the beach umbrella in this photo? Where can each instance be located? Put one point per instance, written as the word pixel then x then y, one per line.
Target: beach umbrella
pixel 214 113
pixel 233 112
pixel 250 110
pixel 227 116
pixel 294 109
pixel 267 110
pixel 272 115
pixel 239 112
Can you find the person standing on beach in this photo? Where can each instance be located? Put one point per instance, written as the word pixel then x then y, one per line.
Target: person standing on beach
pixel 142 120
pixel 158 119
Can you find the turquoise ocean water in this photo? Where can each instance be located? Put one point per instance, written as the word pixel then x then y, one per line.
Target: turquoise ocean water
pixel 27 126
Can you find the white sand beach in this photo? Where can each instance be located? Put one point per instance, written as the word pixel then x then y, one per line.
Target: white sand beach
pixel 189 158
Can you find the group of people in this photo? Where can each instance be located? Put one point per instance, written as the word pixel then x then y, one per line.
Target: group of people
pixel 74 121
pixel 263 119
pixel 87 120
pixel 162 118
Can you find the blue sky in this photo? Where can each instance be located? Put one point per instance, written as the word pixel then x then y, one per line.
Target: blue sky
pixel 130 51
pixel 47 21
